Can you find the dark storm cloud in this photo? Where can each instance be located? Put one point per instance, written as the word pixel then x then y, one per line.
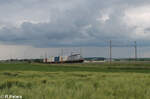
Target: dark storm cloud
pixel 46 23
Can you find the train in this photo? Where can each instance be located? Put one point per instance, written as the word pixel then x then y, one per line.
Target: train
pixel 73 58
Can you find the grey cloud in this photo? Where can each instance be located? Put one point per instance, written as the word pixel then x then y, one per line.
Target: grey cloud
pixel 71 22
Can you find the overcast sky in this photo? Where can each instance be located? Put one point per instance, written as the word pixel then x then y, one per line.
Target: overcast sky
pixel 41 24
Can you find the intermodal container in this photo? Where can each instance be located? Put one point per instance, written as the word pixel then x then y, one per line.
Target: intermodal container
pixel 52 59
pixel 60 58
pixel 49 60
pixel 56 59
pixel 45 60
pixel 65 58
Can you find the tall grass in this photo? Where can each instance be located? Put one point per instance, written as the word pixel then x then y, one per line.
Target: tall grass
pixel 76 81
pixel 75 85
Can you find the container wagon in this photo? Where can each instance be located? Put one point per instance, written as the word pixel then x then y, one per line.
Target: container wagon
pixel 75 58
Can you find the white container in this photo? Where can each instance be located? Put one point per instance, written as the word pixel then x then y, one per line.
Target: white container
pixel 45 60
pixel 65 58
pixel 48 60
pixel 60 58
pixel 52 59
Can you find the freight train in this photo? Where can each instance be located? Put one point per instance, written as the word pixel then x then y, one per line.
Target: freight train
pixel 74 58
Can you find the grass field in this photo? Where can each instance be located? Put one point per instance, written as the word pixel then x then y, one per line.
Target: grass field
pixel 76 81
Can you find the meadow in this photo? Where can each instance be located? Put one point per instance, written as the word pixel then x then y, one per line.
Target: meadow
pixel 119 80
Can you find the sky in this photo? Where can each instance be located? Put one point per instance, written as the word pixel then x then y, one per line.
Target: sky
pixel 30 28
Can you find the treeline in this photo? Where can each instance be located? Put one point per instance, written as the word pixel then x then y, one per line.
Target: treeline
pixel 23 60
pixel 133 59
pixel 95 59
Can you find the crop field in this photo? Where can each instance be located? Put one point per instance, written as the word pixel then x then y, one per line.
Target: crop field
pixel 119 80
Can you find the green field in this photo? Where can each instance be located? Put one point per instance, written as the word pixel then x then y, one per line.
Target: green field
pixel 121 80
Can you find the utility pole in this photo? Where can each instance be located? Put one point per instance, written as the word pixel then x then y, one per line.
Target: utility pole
pixel 110 51
pixel 80 51
pixel 46 57
pixel 135 48
pixel 62 51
